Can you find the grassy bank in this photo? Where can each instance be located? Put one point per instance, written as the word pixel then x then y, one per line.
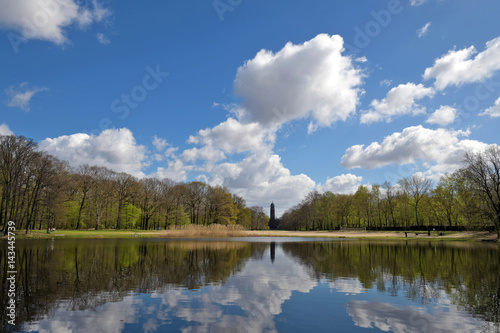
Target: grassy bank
pixel 220 231
pixel 190 231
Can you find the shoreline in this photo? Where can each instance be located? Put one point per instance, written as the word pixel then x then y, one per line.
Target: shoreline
pixel 209 233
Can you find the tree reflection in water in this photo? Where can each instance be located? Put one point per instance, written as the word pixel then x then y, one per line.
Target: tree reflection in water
pixel 150 285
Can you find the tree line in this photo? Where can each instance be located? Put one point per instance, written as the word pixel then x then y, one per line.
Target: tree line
pixel 40 191
pixel 468 197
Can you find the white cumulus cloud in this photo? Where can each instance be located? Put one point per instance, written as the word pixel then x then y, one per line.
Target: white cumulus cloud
pixel 313 79
pixel 494 111
pixel 232 136
pixel 176 170
pixel 115 149
pixel 400 100
pixel 443 116
pixel 229 137
pixel 343 184
pixel 48 20
pixel 459 67
pixel 159 143
pixel 441 150
pixel 5 130
pixel 261 178
pixel 209 154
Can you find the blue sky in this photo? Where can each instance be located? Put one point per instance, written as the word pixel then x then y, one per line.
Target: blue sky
pixel 272 99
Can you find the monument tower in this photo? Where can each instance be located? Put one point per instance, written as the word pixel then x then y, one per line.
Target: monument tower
pixel 273 221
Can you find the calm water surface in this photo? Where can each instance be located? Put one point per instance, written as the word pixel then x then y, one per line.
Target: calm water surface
pixel 254 285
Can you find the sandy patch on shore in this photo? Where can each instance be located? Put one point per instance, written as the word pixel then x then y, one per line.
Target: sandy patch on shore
pixel 372 234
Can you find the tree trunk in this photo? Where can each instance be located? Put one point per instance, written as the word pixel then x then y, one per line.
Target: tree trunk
pixel 119 218
pixel 80 211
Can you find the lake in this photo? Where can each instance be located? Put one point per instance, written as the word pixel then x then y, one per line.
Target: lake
pixel 254 285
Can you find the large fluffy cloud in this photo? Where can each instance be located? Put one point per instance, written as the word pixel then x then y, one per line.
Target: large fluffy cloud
pixel 48 19
pixel 230 136
pixel 176 170
pixel 440 149
pixel 261 178
pixel 344 184
pixel 400 100
pixel 459 67
pixel 113 148
pixel 443 116
pixel 313 79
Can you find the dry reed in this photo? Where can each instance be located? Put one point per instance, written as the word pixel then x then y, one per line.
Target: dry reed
pixel 200 231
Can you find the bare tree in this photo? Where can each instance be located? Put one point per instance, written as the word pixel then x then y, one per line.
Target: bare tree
pixel 124 184
pixel 15 154
pixel 149 199
pixel 390 199
pixel 42 175
pixel 85 182
pixel 418 187
pixel 195 194
pixel 102 192
pixel 483 169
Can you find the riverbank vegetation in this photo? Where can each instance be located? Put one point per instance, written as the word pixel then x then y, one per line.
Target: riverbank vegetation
pixel 38 191
pixel 467 199
pixel 185 231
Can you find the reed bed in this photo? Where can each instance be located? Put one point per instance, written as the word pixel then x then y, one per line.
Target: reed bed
pixel 200 231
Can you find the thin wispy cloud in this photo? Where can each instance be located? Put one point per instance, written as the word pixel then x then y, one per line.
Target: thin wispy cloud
pixel 103 39
pixel 424 30
pixel 416 3
pixel 20 96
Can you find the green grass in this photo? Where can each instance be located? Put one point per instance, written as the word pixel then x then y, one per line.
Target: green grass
pixel 220 231
pixel 189 231
pixel 85 234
